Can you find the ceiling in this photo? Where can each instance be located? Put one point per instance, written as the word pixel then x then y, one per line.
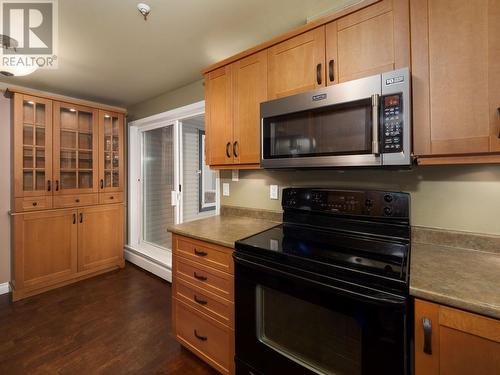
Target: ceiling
pixel 108 53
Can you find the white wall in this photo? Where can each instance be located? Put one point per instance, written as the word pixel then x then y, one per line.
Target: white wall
pixel 5 151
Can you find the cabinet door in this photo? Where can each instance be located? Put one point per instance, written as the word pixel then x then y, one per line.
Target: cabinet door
pixel 111 153
pixel 297 64
pixel 45 248
pixel 249 90
pixel 455 67
pixel 100 236
pixel 75 148
pixel 460 343
pixel 32 146
pixel 219 112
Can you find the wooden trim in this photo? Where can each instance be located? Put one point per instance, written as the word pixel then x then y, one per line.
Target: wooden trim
pixel 47 95
pixel 465 159
pixel 235 166
pixel 299 30
pixel 59 209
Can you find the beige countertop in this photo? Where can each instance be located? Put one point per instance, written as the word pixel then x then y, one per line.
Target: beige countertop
pixel 462 278
pixel 222 230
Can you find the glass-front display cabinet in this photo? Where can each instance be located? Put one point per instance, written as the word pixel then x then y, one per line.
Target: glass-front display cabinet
pixel 111 153
pixel 76 155
pixel 32 147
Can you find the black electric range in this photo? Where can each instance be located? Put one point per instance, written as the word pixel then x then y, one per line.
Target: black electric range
pixel 326 292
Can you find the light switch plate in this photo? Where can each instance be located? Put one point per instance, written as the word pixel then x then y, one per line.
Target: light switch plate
pixel 225 189
pixel 235 175
pixel 273 191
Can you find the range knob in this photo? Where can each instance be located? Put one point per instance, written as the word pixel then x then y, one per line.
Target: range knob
pixel 388 211
pixel 388 198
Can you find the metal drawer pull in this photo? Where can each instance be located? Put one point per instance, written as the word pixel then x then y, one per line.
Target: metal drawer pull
pixel 34 204
pixel 102 183
pixel 227 149
pixel 331 73
pixel 202 338
pixel 200 301
pixel 498 110
pixel 81 217
pixel 427 324
pixel 77 200
pixel 74 218
pixel 318 74
pixel 199 277
pixel 57 185
pixel 111 197
pixel 48 185
pixel 200 253
pixel 235 145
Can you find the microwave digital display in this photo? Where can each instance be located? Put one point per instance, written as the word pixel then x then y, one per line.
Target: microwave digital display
pixel 391 101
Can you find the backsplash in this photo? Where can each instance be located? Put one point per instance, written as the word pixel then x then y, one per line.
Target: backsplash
pixel 461 198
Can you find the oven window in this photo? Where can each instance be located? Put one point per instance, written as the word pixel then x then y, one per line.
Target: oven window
pixel 341 129
pixel 322 340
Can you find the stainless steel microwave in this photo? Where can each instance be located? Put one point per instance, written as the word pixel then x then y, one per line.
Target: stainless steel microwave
pixel 365 122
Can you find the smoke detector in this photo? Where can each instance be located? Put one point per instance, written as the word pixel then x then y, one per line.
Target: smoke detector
pixel 144 9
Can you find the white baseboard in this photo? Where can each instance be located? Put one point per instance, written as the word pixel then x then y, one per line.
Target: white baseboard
pixel 4 288
pixel 148 264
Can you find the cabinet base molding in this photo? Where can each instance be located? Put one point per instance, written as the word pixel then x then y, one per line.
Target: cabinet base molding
pixel 467 159
pixel 24 293
pixel 235 166
pixel 4 288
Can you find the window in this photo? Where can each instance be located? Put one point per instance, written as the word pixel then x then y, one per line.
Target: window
pixel 207 180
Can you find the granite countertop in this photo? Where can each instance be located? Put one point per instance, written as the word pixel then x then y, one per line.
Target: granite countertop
pixel 462 278
pixel 222 230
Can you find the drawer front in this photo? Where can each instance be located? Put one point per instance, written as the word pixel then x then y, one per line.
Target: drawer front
pixel 76 200
pixel 210 304
pixel 206 338
pixel 211 255
pixel 33 204
pixel 105 198
pixel 207 278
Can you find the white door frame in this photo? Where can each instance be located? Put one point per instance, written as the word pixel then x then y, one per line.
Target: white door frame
pixel 144 254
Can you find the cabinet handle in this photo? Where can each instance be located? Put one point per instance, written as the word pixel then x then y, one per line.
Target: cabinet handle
pixel 200 301
pixel 57 185
pixel 331 73
pixel 200 253
pixel 227 149
pixel 48 185
pixel 77 200
pixel 427 324
pixel 498 110
pixel 81 217
pixel 202 338
pixel 318 74
pixel 200 277
pixel 102 183
pixel 111 197
pixel 235 145
pixel 74 218
pixel 34 204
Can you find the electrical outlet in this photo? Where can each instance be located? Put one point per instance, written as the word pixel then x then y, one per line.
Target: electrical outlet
pixel 225 189
pixel 273 191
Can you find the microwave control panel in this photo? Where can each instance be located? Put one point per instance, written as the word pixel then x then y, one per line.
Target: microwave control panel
pixel 392 123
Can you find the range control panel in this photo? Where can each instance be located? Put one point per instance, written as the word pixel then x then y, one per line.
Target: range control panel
pixel 348 202
pixel 392 123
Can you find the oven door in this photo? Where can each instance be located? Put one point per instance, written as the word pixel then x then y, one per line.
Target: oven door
pixel 289 324
pixel 332 126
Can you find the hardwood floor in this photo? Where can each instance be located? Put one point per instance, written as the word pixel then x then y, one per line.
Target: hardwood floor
pixel 117 323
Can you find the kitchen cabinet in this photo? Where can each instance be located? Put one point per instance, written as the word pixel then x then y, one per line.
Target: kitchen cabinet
pixel 449 341
pixel 371 41
pixel 100 239
pixel 233 96
pixel 297 64
pixel 203 303
pixel 68 182
pixel 456 95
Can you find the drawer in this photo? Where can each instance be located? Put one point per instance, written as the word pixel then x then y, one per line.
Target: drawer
pixel 206 338
pixel 33 204
pixel 76 200
pixel 211 255
pixel 206 278
pixel 105 198
pixel 206 302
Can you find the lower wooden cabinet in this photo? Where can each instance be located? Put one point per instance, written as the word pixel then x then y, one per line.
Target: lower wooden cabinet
pixel 203 303
pixel 454 342
pixel 57 247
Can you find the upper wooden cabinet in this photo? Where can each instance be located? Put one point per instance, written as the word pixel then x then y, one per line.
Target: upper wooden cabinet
pixel 233 95
pixel 373 40
pixel 456 75
pixel 454 342
pixel 297 64
pixel 111 153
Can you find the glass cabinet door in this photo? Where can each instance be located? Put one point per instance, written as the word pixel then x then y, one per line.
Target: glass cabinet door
pixel 75 149
pixel 111 127
pixel 33 146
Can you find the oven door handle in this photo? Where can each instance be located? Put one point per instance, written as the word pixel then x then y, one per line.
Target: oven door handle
pixel 376 297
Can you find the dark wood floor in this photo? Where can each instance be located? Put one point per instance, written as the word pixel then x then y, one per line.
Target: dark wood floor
pixel 117 323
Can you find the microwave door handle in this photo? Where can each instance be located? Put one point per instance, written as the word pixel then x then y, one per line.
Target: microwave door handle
pixel 375 129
